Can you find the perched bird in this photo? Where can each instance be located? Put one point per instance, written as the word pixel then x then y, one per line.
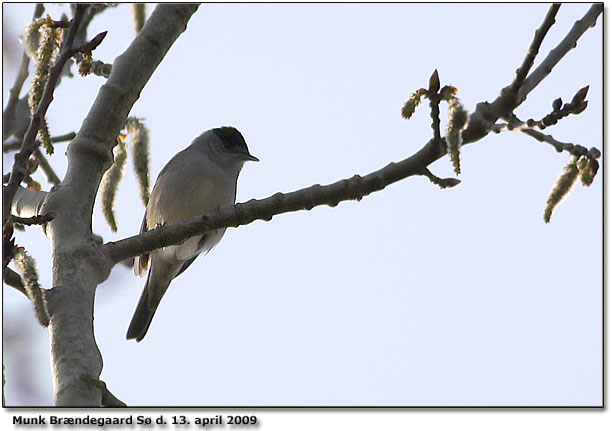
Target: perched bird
pixel 195 181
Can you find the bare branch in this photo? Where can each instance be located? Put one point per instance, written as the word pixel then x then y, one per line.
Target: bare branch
pixel 11 278
pixel 560 111
pixel 70 302
pixel 576 150
pixel 14 143
pixel 46 167
pixel 102 69
pixel 29 141
pixel 483 119
pixel 139 15
pixel 40 219
pixel 554 56
pixel 354 188
pixel 8 243
pixel 9 112
pixel 443 183
pixel 534 48
pixel 28 203
pixel 573 149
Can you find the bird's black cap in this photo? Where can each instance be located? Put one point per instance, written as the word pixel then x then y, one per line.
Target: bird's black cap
pixel 232 139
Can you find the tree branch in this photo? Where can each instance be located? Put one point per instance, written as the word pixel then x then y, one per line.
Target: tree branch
pixel 534 48
pixel 28 221
pixel 354 188
pixel 13 279
pixel 482 121
pixel 29 141
pixel 14 143
pixel 78 266
pixel 28 203
pixel 46 167
pixel 8 115
pixel 108 399
pixel 576 150
pixel 555 55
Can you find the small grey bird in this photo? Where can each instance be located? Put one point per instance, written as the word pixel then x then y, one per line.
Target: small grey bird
pixel 195 181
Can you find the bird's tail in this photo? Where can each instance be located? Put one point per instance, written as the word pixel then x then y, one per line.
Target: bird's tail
pixel 143 316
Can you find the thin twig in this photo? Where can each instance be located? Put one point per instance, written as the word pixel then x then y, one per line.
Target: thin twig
pixel 46 167
pixel 9 110
pixel 14 143
pixel 39 219
pixel 63 138
pixel 29 141
pixel 483 119
pixel 534 48
pixel 576 150
pixel 11 278
pixel 90 13
pixel 555 55
pixel 8 243
pixel 443 183
pixel 102 69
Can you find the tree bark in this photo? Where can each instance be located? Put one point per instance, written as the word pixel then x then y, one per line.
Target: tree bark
pixel 78 266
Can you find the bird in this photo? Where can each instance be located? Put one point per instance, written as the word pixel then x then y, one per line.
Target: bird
pixel 197 180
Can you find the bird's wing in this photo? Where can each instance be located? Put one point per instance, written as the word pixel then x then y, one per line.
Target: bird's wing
pixel 186 265
pixel 190 261
pixel 141 263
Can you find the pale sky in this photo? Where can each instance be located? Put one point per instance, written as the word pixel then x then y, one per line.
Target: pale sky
pixel 414 296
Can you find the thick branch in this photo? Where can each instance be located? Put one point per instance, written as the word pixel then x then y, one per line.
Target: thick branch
pixel 78 266
pixel 28 203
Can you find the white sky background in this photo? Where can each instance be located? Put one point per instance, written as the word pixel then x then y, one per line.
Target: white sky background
pixel 414 296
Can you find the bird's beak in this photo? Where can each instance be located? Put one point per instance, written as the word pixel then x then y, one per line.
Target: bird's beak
pixel 251 158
